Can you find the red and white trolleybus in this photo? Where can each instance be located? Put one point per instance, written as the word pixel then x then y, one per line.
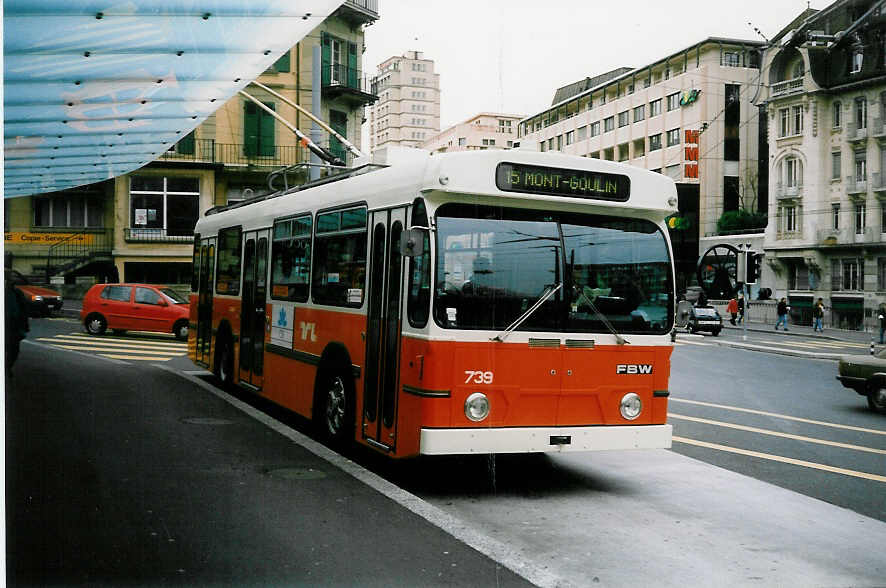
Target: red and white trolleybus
pixel 474 302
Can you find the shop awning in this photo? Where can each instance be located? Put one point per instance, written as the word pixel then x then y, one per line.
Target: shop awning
pixel 94 90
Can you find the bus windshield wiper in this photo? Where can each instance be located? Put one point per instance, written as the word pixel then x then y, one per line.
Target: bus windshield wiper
pixel 618 338
pixel 549 291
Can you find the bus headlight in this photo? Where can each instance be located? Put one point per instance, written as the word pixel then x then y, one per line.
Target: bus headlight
pixel 477 407
pixel 631 405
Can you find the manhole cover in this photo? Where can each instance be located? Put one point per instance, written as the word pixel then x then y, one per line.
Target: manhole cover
pixel 297 473
pixel 206 421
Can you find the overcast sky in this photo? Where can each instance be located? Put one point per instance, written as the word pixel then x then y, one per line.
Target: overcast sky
pixel 511 55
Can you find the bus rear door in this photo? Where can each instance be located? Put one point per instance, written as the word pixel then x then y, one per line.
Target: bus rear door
pixel 381 385
pixel 252 309
pixel 204 301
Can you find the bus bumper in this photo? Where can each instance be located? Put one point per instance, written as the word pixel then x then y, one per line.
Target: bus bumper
pixel 544 439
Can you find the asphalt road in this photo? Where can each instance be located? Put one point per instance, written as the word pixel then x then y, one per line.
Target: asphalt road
pixel 135 472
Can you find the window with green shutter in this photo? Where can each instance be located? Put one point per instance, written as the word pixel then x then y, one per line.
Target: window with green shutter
pixel 187 145
pixel 258 130
pixel 282 64
pixel 339 123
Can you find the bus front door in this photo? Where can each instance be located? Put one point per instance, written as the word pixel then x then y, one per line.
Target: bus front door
pixel 252 309
pixel 205 282
pixel 381 384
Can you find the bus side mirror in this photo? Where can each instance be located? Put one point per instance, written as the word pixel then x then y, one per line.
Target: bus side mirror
pixel 412 242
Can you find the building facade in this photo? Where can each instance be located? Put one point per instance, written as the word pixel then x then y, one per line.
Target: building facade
pixel 486 130
pixel 139 227
pixel 688 116
pixel 408 110
pixel 826 103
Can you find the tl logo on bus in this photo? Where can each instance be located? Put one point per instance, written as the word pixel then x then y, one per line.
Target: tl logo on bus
pixel 633 368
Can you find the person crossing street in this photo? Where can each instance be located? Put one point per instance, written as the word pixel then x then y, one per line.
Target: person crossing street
pixel 782 312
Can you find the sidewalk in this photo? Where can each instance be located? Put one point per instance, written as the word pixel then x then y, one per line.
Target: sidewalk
pixel 807 331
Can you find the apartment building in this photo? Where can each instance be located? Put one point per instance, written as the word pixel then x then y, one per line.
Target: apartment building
pixel 139 227
pixel 825 98
pixel 688 115
pixel 486 130
pixel 408 110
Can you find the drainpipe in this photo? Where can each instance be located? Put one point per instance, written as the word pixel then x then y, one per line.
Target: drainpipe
pixel 316 89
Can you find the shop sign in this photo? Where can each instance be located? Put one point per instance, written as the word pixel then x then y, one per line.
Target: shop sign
pixel 20 238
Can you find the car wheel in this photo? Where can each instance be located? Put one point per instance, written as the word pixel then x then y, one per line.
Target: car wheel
pixel 180 330
pixel 335 407
pixel 715 332
pixel 877 397
pixel 96 324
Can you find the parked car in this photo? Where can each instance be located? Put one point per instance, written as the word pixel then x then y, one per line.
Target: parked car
pixel 135 307
pixel 866 374
pixel 41 301
pixel 704 318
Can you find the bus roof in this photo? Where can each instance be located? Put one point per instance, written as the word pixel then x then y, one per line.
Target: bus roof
pixel 409 173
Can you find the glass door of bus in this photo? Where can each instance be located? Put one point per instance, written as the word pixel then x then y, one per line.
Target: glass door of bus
pixel 252 308
pixel 205 280
pixel 383 328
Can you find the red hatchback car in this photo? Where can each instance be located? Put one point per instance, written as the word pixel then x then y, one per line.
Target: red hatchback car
pixel 135 307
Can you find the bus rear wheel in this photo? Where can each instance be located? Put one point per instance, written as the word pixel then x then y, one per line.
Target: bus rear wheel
pixel 224 363
pixel 334 414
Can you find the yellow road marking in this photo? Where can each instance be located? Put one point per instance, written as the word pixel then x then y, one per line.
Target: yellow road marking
pixel 101 350
pixel 157 338
pixel 95 341
pixel 775 433
pixel 782 459
pixel 152 358
pixel 780 416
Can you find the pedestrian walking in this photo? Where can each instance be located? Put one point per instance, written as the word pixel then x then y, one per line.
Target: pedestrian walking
pixel 740 307
pixel 882 318
pixel 732 309
pixel 818 316
pixel 782 311
pixel 16 322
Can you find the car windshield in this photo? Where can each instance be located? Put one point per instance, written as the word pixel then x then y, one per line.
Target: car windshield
pixel 706 312
pixel 494 263
pixel 174 296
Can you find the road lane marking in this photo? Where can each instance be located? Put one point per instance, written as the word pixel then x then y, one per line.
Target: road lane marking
pixel 139 358
pixel 170 347
pixel 776 433
pixel 148 341
pixel 777 415
pixel 781 459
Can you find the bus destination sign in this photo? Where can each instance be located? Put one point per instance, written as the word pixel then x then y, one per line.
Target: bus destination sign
pixel 535 179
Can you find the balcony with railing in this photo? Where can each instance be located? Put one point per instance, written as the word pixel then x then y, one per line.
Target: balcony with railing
pixel 784 191
pixel 340 81
pixel 854 133
pixel 358 12
pixel 208 151
pixel 846 236
pixel 855 186
pixel 787 87
pixel 147 235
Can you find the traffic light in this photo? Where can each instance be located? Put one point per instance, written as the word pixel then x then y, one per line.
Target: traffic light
pixel 752 267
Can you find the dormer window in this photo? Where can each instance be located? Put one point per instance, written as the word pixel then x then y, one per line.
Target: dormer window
pixel 857 59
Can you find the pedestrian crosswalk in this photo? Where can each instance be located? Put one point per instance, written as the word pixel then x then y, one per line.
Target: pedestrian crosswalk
pixel 128 348
pixel 803 346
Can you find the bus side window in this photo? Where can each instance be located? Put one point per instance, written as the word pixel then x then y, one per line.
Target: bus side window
pixel 229 258
pixel 418 304
pixel 339 272
pixel 291 259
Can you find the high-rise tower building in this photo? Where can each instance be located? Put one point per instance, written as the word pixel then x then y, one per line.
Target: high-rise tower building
pixel 408 110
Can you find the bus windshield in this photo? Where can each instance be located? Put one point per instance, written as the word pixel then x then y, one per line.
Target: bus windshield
pixel 494 263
